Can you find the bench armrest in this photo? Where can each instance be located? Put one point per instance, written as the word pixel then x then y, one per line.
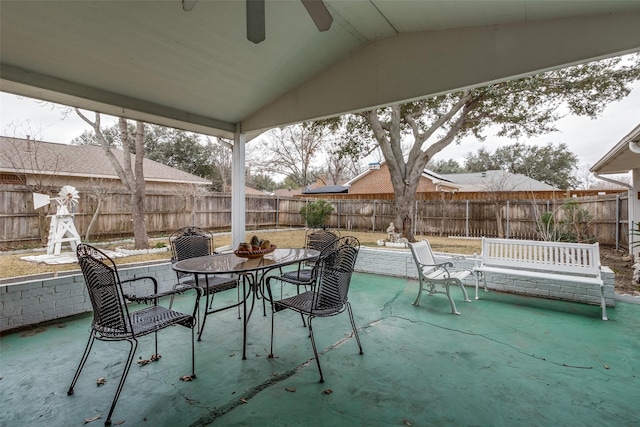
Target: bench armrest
pixel 436 266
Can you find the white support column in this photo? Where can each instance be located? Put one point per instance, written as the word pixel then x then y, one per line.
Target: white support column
pixel 634 210
pixel 237 190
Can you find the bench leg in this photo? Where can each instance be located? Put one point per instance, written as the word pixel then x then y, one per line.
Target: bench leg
pixel 464 291
pixel 478 275
pixel 604 305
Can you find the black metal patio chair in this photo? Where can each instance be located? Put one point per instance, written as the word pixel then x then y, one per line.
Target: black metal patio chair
pixel 329 297
pixel 112 320
pixel 190 242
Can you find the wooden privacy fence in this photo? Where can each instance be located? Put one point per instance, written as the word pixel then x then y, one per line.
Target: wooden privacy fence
pixel 21 224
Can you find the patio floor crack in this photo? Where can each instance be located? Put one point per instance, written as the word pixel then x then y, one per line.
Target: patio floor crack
pixel 544 359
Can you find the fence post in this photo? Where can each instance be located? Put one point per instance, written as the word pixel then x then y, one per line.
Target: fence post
pixel 507 220
pixel 466 220
pixel 373 222
pixel 277 211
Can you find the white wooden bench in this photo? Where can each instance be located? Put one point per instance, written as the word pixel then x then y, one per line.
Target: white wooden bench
pixel 567 262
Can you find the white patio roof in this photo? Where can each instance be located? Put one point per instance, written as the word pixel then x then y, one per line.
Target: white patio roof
pixel 196 70
pixel 621 159
pixel 152 61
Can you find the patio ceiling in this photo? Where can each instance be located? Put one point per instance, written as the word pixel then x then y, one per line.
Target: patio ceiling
pixel 196 70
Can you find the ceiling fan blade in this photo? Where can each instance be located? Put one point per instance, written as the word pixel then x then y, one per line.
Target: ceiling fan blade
pixel 319 13
pixel 187 5
pixel 255 20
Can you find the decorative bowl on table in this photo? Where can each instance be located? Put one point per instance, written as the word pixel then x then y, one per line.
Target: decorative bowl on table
pixel 256 252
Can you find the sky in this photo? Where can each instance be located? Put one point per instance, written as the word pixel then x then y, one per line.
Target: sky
pixel 588 139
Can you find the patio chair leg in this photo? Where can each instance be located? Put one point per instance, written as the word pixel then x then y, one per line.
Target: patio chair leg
pixel 83 360
pixel 273 315
pixel 134 346
pixel 353 325
pixel 315 351
pixel 454 310
pixel 417 301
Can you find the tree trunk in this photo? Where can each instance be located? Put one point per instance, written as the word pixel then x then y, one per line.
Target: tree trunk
pixel 404 215
pixel 499 222
pixel 141 241
pixel 137 192
pixel 93 220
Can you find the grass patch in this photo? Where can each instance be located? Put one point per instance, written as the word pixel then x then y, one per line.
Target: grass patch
pixel 12 266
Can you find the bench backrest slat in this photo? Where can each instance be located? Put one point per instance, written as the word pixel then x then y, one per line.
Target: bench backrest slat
pixel 579 258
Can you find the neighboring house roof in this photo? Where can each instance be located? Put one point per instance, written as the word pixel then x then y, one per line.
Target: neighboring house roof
pixel 328 189
pixel 495 180
pixel 78 160
pixel 253 192
pixel 287 192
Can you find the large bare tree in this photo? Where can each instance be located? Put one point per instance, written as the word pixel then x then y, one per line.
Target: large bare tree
pixel 524 107
pixel 132 177
pixel 292 150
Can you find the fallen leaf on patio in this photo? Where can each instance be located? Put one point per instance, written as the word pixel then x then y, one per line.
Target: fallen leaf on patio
pixel 186 378
pixel 92 419
pixel 328 391
pixel 606 366
pixel 406 422
pixel 155 357
pixel 243 400
pixel 117 423
pixel 100 381
pixel 291 389
pixel 143 362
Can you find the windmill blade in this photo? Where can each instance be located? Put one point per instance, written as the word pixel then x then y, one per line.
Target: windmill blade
pixel 255 20
pixel 40 200
pixel 319 13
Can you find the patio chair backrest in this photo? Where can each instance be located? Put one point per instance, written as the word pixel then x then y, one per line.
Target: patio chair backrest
pixel 319 238
pixel 110 314
pixel 422 253
pixel 335 277
pixel 190 242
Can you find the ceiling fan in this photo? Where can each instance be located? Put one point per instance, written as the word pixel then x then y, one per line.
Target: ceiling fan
pixel 256 22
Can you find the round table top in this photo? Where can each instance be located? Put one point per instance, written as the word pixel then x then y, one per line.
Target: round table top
pixel 231 263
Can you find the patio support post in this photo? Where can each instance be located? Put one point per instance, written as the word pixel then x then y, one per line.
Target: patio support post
pixel 618 222
pixel 634 210
pixel 238 220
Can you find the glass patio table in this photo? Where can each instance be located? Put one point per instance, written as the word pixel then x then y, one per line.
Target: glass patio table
pixel 253 272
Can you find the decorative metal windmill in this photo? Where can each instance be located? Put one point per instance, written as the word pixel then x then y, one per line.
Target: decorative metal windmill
pixel 62 228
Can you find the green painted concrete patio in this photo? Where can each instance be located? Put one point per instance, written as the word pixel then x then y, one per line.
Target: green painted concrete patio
pixel 507 360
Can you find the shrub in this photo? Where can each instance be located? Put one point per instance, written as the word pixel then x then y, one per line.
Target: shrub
pixel 316 213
